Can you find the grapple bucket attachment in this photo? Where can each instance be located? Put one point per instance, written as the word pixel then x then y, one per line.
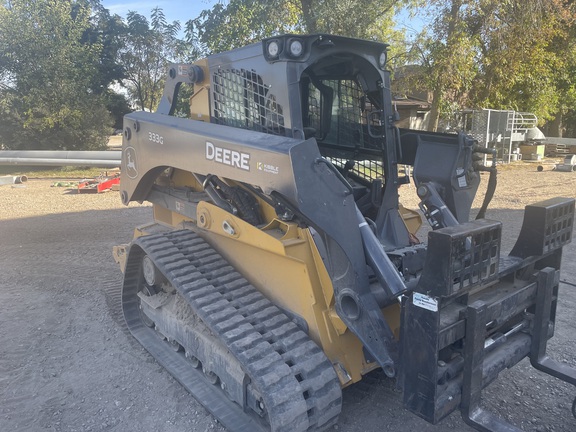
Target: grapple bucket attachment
pixel 474 313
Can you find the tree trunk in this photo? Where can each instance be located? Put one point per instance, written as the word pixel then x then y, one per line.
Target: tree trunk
pixel 434 115
pixel 554 127
pixel 309 16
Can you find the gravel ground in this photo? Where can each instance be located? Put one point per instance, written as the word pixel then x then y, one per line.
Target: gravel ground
pixel 67 362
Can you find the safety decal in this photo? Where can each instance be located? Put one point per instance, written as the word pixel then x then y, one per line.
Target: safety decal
pixel 425 302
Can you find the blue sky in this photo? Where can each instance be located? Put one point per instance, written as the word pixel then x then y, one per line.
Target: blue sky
pixel 180 10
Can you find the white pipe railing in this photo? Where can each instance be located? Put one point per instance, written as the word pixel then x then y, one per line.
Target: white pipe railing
pixel 104 159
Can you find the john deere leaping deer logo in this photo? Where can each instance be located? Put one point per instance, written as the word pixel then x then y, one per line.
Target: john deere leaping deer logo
pixel 130 161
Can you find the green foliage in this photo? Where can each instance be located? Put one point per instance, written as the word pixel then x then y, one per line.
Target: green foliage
pixel 521 62
pixel 149 46
pixel 54 173
pixel 182 108
pixel 48 71
pixel 107 31
pixel 118 105
pixel 357 18
pixel 503 55
pixel 237 23
pixel 240 22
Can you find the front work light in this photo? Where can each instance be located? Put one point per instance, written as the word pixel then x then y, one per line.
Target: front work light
pixel 296 48
pixel 382 59
pixel 273 48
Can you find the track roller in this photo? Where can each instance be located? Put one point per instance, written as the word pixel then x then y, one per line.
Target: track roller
pixel 193 360
pixel 210 376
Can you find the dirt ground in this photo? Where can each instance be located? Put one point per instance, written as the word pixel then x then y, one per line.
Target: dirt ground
pixel 68 363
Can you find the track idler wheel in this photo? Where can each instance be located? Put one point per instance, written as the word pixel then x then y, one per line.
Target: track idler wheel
pixel 151 276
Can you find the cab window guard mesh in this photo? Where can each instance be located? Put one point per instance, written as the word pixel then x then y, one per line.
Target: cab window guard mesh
pixel 348 128
pixel 242 100
pixel 350 115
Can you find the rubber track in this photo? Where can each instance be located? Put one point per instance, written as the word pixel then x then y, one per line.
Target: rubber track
pixel 299 386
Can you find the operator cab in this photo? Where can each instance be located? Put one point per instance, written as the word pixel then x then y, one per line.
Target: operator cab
pixel 341 106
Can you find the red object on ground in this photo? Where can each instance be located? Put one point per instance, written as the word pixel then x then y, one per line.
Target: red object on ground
pixel 98 185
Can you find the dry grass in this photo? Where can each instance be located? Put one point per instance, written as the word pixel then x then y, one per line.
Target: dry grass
pixel 71 173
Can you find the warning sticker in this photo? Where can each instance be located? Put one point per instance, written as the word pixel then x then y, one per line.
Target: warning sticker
pixel 425 302
pixel 461 177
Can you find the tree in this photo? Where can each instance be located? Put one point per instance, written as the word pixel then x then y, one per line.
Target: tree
pixel 446 54
pixel 237 23
pixel 503 55
pixel 526 48
pixel 47 76
pixel 108 31
pixel 148 48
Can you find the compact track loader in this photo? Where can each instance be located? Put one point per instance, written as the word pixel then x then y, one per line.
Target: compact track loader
pixel 281 267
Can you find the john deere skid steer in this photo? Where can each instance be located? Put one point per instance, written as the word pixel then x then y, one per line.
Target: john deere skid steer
pixel 281 267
